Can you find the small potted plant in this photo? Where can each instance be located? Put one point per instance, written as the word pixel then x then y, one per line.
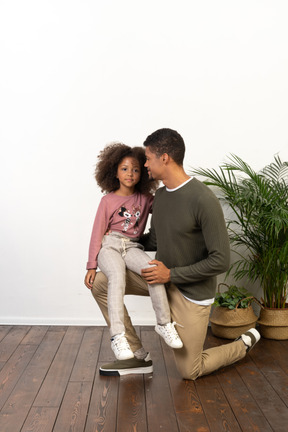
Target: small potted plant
pixel 232 314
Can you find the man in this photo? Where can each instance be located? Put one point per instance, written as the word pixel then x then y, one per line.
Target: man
pixel 188 231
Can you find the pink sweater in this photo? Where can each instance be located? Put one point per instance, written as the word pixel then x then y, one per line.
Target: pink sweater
pixel 124 214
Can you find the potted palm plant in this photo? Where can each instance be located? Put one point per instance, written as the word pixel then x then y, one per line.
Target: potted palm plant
pixel 258 231
pixel 232 313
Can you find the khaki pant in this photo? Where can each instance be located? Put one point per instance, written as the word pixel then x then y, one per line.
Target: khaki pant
pixel 191 360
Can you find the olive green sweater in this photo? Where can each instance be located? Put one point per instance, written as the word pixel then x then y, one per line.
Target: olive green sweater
pixel 188 231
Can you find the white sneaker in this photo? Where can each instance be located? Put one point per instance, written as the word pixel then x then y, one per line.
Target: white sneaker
pixel 120 347
pixel 169 334
pixel 250 338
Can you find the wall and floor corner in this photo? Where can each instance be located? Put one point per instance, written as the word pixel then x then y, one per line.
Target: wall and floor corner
pixel 77 75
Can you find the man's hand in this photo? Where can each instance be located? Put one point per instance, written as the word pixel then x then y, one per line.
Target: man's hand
pixel 89 278
pixel 157 274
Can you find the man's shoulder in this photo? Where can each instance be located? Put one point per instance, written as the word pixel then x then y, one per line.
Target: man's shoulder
pixel 200 188
pixel 198 195
pixel 197 184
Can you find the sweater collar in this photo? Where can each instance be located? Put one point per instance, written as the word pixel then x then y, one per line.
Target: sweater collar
pixel 180 186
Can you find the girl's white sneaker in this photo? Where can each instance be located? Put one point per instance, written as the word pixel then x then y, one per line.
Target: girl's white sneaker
pixel 169 334
pixel 120 347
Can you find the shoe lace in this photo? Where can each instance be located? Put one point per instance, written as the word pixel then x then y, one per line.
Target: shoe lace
pixel 175 323
pixel 121 342
pixel 173 333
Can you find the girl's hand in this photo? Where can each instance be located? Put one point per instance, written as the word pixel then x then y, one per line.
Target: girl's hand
pixel 89 278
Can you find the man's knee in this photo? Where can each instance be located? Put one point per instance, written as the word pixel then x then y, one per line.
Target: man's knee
pixel 99 285
pixel 189 367
pixel 188 373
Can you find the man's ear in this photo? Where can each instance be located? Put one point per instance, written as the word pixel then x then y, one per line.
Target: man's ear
pixel 165 157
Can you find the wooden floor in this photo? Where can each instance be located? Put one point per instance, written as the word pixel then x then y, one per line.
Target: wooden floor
pixel 49 381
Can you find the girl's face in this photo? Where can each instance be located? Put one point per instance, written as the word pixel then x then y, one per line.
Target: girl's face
pixel 128 174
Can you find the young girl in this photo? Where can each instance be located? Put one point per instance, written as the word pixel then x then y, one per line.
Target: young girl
pixel 119 223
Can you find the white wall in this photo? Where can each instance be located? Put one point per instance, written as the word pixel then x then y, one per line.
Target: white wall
pixel 76 75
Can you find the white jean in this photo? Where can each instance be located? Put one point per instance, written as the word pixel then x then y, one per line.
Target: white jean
pixel 117 253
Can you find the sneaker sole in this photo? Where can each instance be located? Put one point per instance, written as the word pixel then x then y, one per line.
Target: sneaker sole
pixel 119 372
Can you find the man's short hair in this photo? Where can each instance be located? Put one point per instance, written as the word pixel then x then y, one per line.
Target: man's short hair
pixel 167 141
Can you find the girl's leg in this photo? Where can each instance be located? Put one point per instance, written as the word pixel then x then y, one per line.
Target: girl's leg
pixel 112 265
pixel 134 285
pixel 136 259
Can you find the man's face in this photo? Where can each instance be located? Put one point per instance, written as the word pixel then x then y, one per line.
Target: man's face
pixel 154 165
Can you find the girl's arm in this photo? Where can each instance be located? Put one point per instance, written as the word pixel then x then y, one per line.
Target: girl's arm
pixel 100 227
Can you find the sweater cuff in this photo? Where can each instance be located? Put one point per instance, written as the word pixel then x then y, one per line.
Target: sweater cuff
pixel 91 265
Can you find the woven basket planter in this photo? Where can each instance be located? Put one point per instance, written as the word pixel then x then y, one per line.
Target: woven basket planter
pixel 273 323
pixel 231 323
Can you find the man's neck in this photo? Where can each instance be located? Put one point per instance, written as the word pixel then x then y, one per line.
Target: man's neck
pixel 175 177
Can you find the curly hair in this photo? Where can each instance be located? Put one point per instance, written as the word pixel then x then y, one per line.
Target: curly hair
pixel 106 168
